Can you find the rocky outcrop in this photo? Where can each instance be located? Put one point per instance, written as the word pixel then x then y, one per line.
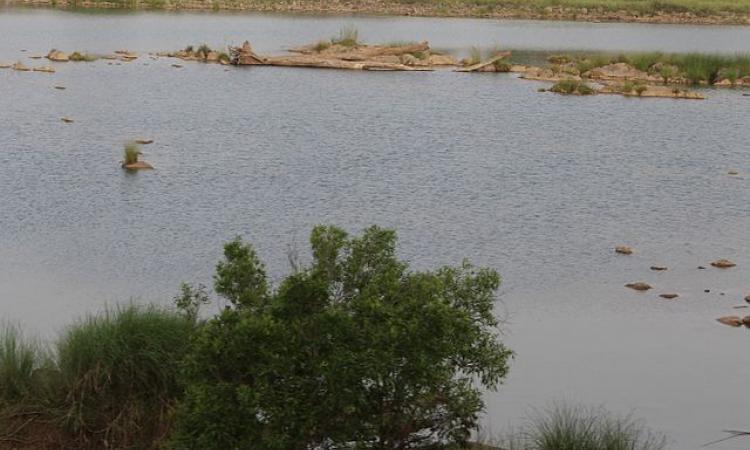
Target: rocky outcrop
pixel 617 71
pixel 58 56
pixel 47 69
pixel 650 91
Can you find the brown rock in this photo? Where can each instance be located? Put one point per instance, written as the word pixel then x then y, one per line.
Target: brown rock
pixel 47 69
pixel 5 66
pixel 623 250
pixel 669 296
pixel 60 88
pixel 639 286
pixel 733 172
pixel 732 321
pixel 140 165
pixel 177 66
pixel 747 299
pixel 746 321
pixel 658 268
pixel 20 67
pixel 723 263
pixel 442 60
pixel 57 55
pixel 67 120
pixel 144 141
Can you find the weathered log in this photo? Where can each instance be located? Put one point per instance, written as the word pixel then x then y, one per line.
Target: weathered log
pixel 480 65
pixel 334 63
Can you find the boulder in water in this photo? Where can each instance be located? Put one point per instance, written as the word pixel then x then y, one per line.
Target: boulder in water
pixel 639 286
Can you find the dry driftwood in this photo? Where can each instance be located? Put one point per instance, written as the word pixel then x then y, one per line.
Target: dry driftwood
pixel 335 63
pixel 480 65
pixel 365 51
pixel 244 56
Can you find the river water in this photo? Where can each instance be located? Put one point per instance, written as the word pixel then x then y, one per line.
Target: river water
pixel 539 186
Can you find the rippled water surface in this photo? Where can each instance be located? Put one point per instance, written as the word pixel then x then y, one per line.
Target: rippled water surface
pixel 482 166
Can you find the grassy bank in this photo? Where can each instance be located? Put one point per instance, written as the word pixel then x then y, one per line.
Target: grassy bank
pixel 111 379
pixel 656 11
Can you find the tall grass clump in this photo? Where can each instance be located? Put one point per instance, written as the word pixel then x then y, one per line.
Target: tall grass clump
pixel 130 154
pixel 321 45
pixel 572 87
pixel 348 37
pixel 20 363
pixel 120 372
pixel 565 427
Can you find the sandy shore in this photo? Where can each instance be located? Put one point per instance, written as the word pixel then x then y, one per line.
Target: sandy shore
pixel 378 7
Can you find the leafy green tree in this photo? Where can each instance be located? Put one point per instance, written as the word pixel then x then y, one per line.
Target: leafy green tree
pixel 353 352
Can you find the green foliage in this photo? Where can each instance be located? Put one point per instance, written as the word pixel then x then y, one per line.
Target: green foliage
pixel 203 51
pixel 223 58
pixel 353 351
pixel 572 87
pixel 130 155
pixel 190 300
pixel 77 56
pixel 321 45
pixel 348 37
pixel 118 373
pixel 241 277
pixel 640 89
pixel 578 428
pixel 20 363
pixel 189 49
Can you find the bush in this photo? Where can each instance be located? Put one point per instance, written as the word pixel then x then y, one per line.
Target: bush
pixel 353 351
pixel 572 87
pixel 119 374
pixel 321 45
pixel 130 155
pixel 77 56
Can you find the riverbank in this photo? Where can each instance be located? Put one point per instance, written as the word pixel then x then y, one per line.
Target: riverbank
pixel 660 12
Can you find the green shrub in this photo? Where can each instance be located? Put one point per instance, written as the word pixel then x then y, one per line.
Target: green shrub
pixel 321 45
pixel 570 86
pixel 353 351
pixel 348 37
pixel 77 56
pixel 203 51
pixel 130 154
pixel 20 363
pixel 640 89
pixel 119 372
pixel 578 428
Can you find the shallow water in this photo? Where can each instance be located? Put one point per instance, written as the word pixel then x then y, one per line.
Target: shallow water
pixel 539 186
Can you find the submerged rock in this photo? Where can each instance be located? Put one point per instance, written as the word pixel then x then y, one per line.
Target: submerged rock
pixel 732 321
pixel 639 286
pixel 60 88
pixel 723 263
pixel 20 67
pixel 747 299
pixel 67 120
pixel 47 69
pixel 623 250
pixel 669 296
pixel 733 172
pixel 746 321
pixel 144 141
pixel 57 55
pixel 658 268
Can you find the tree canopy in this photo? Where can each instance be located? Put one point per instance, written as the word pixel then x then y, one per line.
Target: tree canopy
pixel 354 351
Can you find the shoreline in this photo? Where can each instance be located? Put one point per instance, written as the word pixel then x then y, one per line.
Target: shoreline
pixel 395 8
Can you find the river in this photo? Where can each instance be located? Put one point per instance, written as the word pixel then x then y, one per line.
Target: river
pixel 539 186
